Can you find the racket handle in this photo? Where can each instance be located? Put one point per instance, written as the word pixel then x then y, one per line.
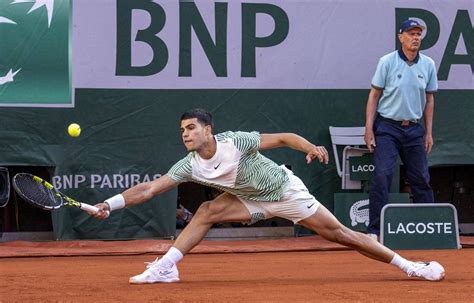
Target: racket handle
pixel 89 208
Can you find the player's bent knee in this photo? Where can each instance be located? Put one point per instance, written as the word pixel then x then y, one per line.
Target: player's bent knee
pixel 208 212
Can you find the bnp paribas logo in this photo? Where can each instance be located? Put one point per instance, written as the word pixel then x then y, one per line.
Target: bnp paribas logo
pixel 35 53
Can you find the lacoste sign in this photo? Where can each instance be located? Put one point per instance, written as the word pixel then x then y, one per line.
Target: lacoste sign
pixel 361 168
pixel 419 226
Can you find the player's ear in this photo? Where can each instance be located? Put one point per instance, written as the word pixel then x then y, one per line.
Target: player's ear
pixel 208 129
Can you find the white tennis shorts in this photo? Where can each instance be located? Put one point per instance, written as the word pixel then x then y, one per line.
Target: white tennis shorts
pixel 296 204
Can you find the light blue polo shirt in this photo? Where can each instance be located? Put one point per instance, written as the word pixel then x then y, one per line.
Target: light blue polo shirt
pixel 404 86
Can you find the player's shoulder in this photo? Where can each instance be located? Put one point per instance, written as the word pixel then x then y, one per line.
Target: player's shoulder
pixel 224 136
pixel 187 158
pixel 182 167
pixel 243 141
pixel 231 135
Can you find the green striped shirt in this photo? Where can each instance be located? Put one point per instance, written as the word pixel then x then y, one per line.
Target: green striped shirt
pixel 237 168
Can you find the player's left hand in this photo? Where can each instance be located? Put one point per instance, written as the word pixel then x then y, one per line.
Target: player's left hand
pixel 319 152
pixel 104 211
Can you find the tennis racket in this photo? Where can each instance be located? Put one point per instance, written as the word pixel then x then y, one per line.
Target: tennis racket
pixel 42 194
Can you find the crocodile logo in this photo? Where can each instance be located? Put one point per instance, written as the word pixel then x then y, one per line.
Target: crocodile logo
pixel 359 215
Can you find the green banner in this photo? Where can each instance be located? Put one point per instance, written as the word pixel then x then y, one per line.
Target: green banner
pixel 35 53
pixel 420 226
pixel 125 70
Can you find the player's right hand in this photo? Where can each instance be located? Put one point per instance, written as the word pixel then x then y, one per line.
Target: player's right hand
pixel 104 211
pixel 319 152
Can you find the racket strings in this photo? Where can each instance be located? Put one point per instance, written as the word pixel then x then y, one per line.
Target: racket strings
pixel 37 193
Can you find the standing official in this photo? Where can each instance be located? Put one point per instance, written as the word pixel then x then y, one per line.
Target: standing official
pixel 401 94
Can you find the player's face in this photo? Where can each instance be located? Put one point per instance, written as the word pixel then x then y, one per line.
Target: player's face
pixel 411 39
pixel 194 134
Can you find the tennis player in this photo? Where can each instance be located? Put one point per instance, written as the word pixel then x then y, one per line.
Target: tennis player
pixel 255 188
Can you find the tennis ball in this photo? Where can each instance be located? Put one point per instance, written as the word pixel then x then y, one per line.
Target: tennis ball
pixel 74 130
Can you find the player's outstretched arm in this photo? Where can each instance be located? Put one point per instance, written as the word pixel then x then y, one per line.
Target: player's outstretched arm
pixel 294 141
pixel 135 195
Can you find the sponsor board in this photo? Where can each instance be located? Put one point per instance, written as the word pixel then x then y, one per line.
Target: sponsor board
pixel 270 44
pixel 100 181
pixel 50 48
pixel 361 168
pixel 419 226
pixel 35 53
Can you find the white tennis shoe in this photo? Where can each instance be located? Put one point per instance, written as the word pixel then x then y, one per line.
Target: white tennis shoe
pixel 156 273
pixel 432 271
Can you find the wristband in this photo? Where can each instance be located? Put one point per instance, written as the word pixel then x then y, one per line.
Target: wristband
pixel 116 202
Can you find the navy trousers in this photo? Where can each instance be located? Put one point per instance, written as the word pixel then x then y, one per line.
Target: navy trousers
pixel 393 139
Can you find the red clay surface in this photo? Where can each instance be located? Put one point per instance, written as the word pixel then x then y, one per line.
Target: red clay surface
pixel 306 276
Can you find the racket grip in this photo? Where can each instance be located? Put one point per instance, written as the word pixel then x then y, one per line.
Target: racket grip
pixel 89 208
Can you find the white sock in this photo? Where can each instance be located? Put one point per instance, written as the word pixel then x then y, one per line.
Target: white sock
pixel 401 263
pixel 172 257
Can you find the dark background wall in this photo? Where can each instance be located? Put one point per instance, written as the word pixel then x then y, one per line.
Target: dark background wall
pixel 137 131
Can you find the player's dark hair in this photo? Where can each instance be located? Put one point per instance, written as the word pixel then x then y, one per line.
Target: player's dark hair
pixel 203 116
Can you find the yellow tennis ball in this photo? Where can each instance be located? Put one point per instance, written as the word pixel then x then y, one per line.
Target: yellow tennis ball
pixel 74 130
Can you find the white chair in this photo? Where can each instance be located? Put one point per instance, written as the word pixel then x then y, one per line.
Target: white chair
pixel 352 138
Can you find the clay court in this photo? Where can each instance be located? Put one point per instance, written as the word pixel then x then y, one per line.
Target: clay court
pixel 305 269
